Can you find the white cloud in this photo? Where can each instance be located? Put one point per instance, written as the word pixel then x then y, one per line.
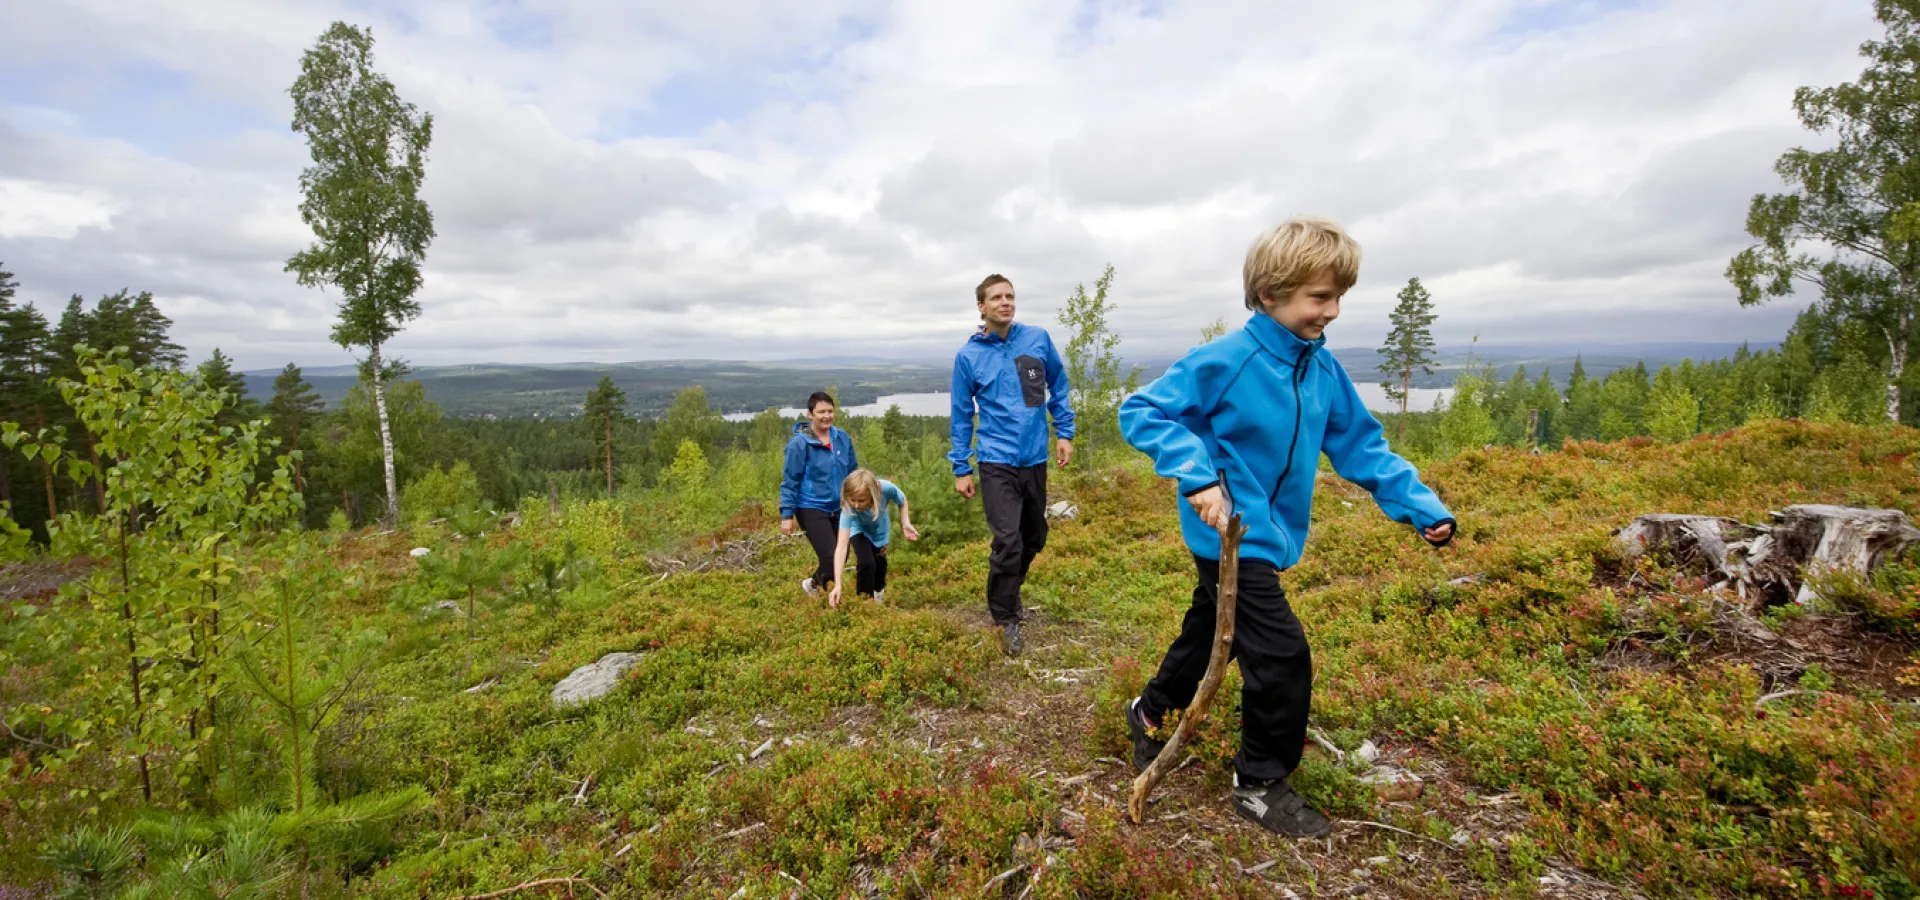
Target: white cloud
pixel 769 178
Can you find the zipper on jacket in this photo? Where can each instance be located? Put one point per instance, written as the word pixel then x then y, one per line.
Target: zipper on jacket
pixel 1299 375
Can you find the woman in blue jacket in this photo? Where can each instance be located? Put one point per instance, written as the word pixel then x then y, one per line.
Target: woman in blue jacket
pixel 819 457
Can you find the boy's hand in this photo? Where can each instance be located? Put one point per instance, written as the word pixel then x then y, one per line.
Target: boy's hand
pixel 913 534
pixel 1211 504
pixel 1063 449
pixel 963 485
pixel 1438 534
pixel 786 527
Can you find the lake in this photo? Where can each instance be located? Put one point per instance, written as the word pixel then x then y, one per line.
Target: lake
pixel 938 403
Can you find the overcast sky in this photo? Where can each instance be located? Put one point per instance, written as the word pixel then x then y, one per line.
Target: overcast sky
pixel 762 179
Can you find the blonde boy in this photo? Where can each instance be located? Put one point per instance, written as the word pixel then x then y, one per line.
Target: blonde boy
pixel 1240 423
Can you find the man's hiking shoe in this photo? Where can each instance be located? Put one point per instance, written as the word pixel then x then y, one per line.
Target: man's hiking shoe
pixel 1146 748
pixel 879 596
pixel 806 586
pixel 1010 633
pixel 1275 806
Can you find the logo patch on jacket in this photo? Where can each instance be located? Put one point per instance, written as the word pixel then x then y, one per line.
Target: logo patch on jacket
pixel 1033 380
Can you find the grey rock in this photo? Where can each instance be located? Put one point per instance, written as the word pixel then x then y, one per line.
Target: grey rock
pixel 1064 509
pixel 590 682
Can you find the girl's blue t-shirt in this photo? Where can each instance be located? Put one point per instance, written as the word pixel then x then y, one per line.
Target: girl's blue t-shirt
pixel 873 523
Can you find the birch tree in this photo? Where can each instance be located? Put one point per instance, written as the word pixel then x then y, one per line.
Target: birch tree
pixel 1850 224
pixel 363 203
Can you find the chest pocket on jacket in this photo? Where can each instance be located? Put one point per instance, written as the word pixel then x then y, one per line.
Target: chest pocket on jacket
pixel 1033 380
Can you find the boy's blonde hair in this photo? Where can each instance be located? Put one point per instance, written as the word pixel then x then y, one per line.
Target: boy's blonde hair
pixel 1293 252
pixel 861 481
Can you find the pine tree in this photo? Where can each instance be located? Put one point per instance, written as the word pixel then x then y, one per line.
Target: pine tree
pixel 606 405
pixel 1409 346
pixel 294 409
pixel 363 203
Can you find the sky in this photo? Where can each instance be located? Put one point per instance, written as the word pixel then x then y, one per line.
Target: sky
pixel 615 180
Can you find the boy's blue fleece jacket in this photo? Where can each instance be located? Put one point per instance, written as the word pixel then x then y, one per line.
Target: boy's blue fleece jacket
pixel 811 479
pixel 1018 381
pixel 1254 410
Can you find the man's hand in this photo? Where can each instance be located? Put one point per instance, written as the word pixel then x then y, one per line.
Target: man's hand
pixel 786 527
pixel 913 534
pixel 963 485
pixel 1211 504
pixel 1063 451
pixel 1438 534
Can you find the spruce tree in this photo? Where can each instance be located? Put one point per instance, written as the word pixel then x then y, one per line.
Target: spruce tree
pixel 606 405
pixel 1409 346
pixel 293 410
pixel 218 375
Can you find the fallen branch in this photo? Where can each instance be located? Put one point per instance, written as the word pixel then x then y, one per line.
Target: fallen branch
pixel 529 885
pixel 1410 834
pixel 1781 695
pixel 1217 664
pixel 1001 878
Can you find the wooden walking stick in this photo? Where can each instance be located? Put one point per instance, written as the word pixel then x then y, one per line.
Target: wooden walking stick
pixel 1216 671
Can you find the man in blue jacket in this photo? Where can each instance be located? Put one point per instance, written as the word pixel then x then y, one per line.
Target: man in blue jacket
pixel 1240 423
pixel 1013 377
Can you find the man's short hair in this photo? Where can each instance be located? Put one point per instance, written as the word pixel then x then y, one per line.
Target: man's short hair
pixel 1291 253
pixel 980 293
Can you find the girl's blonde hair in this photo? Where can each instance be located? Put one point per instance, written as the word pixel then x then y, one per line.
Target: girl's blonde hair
pixel 861 481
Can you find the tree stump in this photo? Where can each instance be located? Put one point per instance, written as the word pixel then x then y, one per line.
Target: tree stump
pixel 1771 562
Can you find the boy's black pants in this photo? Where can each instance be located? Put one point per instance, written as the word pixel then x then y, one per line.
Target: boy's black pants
pixel 1276 668
pixel 872 577
pixel 823 531
pixel 1015 498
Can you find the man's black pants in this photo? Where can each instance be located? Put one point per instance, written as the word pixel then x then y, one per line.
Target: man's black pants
pixel 1015 499
pixel 1276 668
pixel 823 531
pixel 872 577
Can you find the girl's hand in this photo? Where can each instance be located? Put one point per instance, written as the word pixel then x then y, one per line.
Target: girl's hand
pixel 833 596
pixel 913 534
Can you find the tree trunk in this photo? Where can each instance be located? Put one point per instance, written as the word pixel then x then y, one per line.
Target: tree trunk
pixel 1896 366
pixel 609 456
pixel 99 487
pixel 133 664
pixel 6 484
pixel 1772 563
pixel 392 517
pixel 1406 383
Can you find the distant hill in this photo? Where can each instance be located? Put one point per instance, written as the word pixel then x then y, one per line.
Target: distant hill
pixel 514 391
pixel 557 390
pixel 1363 363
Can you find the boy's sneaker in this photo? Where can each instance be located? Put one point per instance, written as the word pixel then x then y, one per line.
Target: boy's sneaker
pixel 1010 633
pixel 806 586
pixel 1146 748
pixel 1275 806
pixel 879 596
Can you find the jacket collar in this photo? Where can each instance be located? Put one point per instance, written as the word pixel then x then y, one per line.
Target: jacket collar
pixel 984 336
pixel 804 429
pixel 1277 340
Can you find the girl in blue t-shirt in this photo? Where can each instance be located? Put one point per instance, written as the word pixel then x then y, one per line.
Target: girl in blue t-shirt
pixel 864 525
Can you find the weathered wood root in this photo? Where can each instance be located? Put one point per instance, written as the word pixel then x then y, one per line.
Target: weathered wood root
pixel 1217 662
